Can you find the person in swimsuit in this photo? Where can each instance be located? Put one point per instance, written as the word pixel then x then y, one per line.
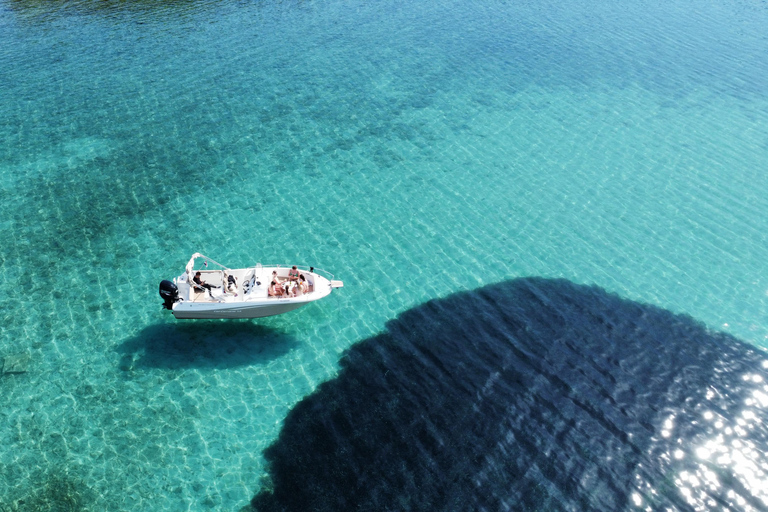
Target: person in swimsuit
pixel 303 284
pixel 298 291
pixel 274 290
pixel 293 274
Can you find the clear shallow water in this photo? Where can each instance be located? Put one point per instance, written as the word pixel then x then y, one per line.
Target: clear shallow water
pixel 414 151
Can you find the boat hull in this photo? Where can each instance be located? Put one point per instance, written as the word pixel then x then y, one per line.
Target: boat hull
pixel 239 310
pixel 252 292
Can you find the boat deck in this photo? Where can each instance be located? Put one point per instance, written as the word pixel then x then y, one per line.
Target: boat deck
pixel 245 280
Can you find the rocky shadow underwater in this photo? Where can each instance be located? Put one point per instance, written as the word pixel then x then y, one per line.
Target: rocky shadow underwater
pixel 532 394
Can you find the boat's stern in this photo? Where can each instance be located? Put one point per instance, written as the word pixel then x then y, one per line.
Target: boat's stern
pixel 169 292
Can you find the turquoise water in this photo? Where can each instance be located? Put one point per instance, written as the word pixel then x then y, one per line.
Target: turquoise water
pixel 412 150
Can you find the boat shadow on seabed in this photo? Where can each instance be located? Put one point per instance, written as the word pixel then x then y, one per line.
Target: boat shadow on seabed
pixel 533 394
pixel 204 344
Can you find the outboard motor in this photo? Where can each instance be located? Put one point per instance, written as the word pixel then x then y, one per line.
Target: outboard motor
pixel 169 293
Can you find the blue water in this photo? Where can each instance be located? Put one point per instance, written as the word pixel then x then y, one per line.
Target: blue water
pixel 415 151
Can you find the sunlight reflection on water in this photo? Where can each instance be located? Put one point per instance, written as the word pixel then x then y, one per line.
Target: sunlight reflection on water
pixel 729 454
pixel 713 450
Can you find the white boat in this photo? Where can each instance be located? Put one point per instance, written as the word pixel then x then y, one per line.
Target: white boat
pixel 243 292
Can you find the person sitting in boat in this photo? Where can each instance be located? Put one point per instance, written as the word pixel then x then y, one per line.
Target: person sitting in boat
pixel 231 283
pixel 303 284
pixel 275 277
pixel 293 274
pixel 202 284
pixel 274 290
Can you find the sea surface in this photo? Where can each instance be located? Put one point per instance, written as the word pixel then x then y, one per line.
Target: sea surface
pixel 550 219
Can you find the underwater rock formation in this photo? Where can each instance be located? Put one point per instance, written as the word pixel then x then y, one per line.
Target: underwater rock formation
pixel 532 394
pixel 15 363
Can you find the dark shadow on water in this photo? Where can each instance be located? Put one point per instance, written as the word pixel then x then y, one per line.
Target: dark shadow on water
pixel 532 394
pixel 45 10
pixel 204 344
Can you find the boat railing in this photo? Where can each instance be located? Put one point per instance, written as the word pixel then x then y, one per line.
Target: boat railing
pixel 258 267
pixel 304 268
